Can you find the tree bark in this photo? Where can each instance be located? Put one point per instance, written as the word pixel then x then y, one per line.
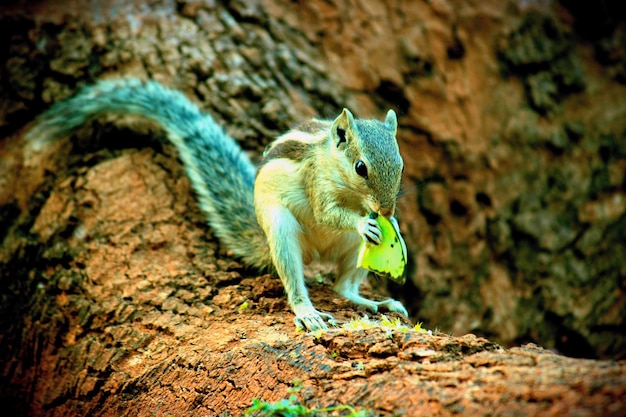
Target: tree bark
pixel 117 300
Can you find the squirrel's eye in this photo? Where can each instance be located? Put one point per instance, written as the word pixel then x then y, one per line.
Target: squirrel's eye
pixel 361 169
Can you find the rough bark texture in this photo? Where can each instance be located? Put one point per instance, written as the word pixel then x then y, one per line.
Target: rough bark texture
pixel 116 300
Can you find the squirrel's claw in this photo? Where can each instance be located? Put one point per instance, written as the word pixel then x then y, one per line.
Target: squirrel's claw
pixel 369 230
pixel 310 319
pixel 393 305
pixel 375 306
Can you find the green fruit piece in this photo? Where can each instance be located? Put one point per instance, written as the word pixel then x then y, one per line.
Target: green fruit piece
pixel 388 259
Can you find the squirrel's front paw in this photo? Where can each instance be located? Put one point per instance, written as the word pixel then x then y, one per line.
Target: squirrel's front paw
pixel 369 230
pixel 308 318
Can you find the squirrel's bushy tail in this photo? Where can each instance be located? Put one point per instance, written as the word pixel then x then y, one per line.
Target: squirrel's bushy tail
pixel 220 172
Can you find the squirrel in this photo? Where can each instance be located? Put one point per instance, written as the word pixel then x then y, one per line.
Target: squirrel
pixel 308 200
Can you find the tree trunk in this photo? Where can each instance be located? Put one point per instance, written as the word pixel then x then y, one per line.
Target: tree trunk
pixel 117 300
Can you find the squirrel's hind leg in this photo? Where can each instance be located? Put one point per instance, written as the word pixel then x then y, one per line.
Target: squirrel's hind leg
pixel 349 279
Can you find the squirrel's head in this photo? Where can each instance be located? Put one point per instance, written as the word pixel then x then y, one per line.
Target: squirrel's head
pixel 369 159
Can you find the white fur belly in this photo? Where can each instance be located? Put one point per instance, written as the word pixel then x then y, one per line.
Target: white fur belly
pixel 321 243
pixel 318 242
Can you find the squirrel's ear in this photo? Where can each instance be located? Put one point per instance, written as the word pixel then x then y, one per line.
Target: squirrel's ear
pixel 343 126
pixel 391 121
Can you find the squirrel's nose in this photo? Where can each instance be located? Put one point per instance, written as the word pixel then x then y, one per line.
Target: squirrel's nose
pixel 386 212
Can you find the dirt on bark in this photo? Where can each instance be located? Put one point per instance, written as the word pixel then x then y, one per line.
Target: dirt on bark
pixel 115 299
